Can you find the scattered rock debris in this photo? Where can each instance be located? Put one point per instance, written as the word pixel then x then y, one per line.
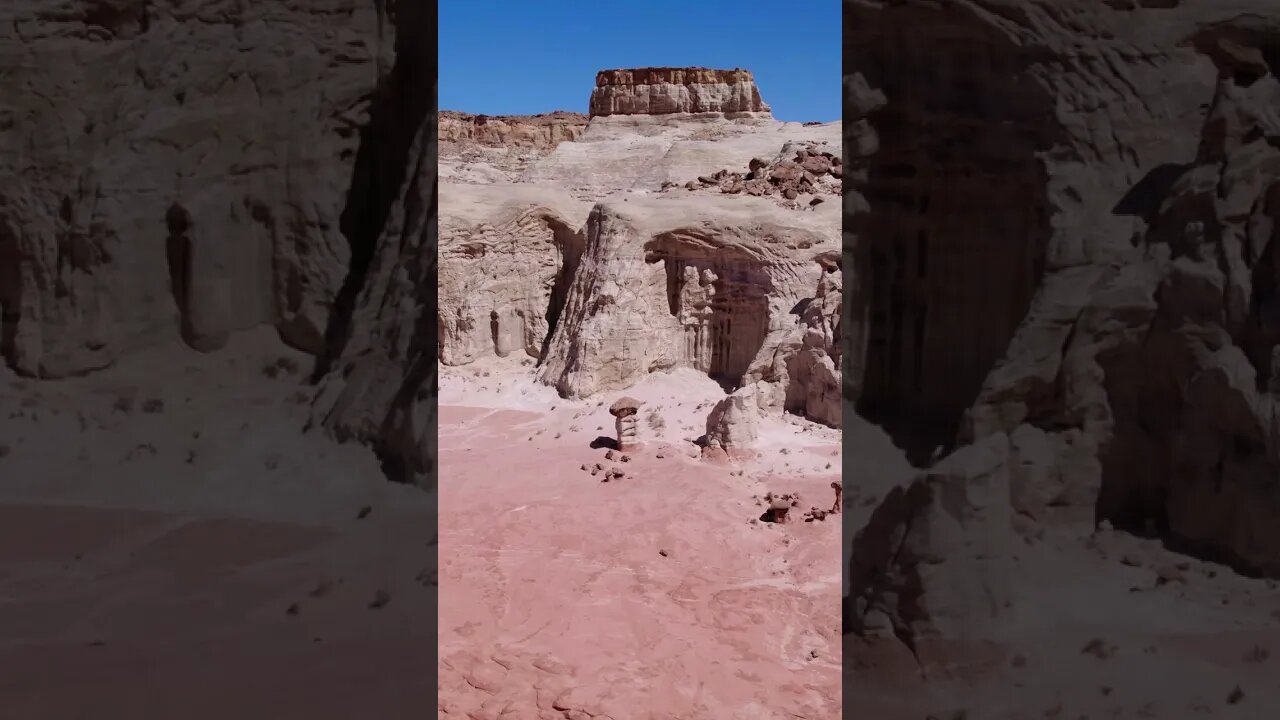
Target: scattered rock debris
pixel 1099 648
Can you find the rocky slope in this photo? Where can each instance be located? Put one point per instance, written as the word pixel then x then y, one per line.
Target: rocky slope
pixel 1062 222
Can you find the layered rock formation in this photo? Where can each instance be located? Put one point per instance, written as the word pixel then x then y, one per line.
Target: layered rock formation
pixel 1115 171
pixel 664 91
pixel 538 132
pixel 504 276
pixel 603 294
pixel 197 196
pixel 280 173
pixel 378 375
pixel 813 367
pixel 686 287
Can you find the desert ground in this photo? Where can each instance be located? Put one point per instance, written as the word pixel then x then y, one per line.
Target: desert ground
pixel 173 545
pixel 659 589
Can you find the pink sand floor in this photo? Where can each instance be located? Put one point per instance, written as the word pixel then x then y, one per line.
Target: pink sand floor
pixel 124 614
pixel 556 598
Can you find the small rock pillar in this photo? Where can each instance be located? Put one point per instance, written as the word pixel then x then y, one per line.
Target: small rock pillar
pixel 779 509
pixel 626 413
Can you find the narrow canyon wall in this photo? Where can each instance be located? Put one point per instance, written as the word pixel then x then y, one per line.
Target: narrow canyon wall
pixel 195 188
pixel 378 376
pixel 1124 161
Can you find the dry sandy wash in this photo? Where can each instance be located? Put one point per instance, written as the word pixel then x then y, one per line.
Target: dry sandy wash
pixel 676 250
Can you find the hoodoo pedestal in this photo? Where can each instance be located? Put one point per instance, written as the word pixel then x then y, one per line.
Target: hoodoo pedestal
pixel 626 413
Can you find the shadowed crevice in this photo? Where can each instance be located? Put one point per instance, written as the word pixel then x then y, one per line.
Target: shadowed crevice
pixel 958 195
pixel 401 103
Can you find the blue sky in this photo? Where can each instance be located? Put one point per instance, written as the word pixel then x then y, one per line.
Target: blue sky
pixel 517 57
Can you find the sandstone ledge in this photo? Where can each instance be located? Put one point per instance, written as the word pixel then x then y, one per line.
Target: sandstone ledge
pixel 661 91
pixel 542 131
pixel 671 76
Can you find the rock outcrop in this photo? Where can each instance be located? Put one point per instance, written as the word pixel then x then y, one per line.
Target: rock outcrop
pixel 799 182
pixel 664 283
pixel 378 376
pixel 537 132
pixel 504 276
pixel 194 196
pixel 602 293
pixel 933 561
pixel 664 91
pixel 1114 172
pixel 813 368
pixel 626 423
pixel 733 424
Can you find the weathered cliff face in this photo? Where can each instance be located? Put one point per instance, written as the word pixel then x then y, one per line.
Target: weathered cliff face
pixel 742 291
pixel 603 286
pixel 503 282
pixel 1124 172
pixel 710 293
pixel 957 195
pixel 383 386
pixel 812 360
pixel 663 91
pixel 197 187
pixel 538 132
pixel 378 375
pixel 861 142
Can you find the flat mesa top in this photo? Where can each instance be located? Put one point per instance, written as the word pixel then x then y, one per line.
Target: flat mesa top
pixel 672 75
